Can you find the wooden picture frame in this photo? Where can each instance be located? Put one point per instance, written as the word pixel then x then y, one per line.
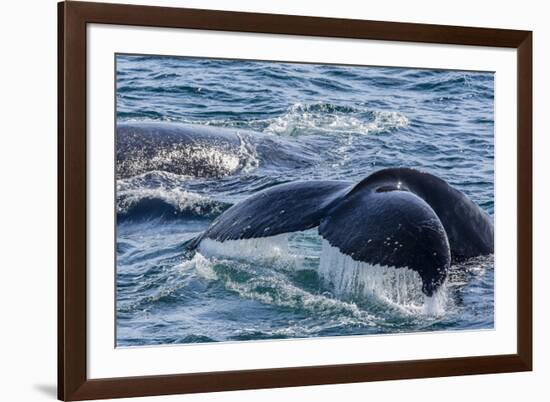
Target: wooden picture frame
pixel 73 382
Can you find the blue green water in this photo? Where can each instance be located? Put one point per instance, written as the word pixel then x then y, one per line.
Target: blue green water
pixel 345 123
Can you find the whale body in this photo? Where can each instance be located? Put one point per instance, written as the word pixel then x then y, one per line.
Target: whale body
pixel 200 150
pixel 398 217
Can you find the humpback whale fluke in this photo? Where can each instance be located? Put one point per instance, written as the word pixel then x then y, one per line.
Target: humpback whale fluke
pixel 399 217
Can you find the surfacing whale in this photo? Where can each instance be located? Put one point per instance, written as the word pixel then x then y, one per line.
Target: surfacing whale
pixel 201 151
pixel 399 217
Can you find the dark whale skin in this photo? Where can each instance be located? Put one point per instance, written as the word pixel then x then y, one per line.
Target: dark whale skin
pixel 200 150
pixel 469 229
pixel 392 228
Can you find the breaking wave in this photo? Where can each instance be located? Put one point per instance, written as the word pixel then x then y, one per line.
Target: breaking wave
pixel 164 203
pixel 162 195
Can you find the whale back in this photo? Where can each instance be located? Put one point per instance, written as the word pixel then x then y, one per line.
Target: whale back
pixel 198 151
pixel 202 151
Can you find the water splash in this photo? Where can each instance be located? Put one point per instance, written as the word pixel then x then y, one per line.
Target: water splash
pixel 437 304
pixel 252 281
pixel 346 278
pixel 247 154
pixel 330 119
pixel 281 293
pixel 266 248
pixel 400 287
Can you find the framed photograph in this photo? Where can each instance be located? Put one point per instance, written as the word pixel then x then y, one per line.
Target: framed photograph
pixel 253 200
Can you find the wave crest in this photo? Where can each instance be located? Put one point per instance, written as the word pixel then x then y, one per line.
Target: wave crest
pixel 163 197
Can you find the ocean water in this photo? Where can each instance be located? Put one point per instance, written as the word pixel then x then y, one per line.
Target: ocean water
pixel 332 122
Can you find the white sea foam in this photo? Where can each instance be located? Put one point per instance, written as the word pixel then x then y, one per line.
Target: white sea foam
pixel 270 288
pixel 314 118
pixel 279 291
pixel 302 118
pixel 203 267
pixel 248 157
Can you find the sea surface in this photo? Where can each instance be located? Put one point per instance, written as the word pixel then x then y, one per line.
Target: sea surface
pixel 343 122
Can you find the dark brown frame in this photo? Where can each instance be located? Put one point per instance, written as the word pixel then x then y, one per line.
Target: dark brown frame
pixel 73 383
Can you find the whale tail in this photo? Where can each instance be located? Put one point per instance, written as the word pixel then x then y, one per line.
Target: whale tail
pixel 399 218
pixel 192 244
